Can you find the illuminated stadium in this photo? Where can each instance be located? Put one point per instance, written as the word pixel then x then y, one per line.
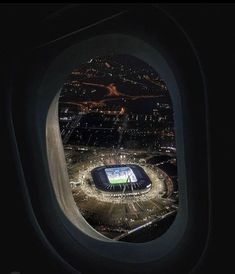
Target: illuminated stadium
pixel 128 178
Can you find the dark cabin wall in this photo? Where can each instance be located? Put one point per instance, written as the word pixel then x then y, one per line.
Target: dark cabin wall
pixel 211 29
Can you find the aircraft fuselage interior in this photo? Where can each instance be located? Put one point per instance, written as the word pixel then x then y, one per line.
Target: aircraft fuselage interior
pixel 113 138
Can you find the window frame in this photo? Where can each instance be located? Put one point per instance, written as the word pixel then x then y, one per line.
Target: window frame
pixel 43 89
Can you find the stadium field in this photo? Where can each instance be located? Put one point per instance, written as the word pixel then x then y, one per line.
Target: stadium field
pixel 118 181
pixel 119 178
pixel 120 175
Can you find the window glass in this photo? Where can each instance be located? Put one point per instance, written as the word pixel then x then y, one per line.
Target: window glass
pixel 117 127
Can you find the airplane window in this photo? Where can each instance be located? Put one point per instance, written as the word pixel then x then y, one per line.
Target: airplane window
pixel 117 127
pixel 113 159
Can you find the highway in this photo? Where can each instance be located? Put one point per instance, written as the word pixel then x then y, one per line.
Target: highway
pixel 159 218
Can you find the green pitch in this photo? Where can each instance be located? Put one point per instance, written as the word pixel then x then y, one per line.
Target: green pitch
pixel 118 181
